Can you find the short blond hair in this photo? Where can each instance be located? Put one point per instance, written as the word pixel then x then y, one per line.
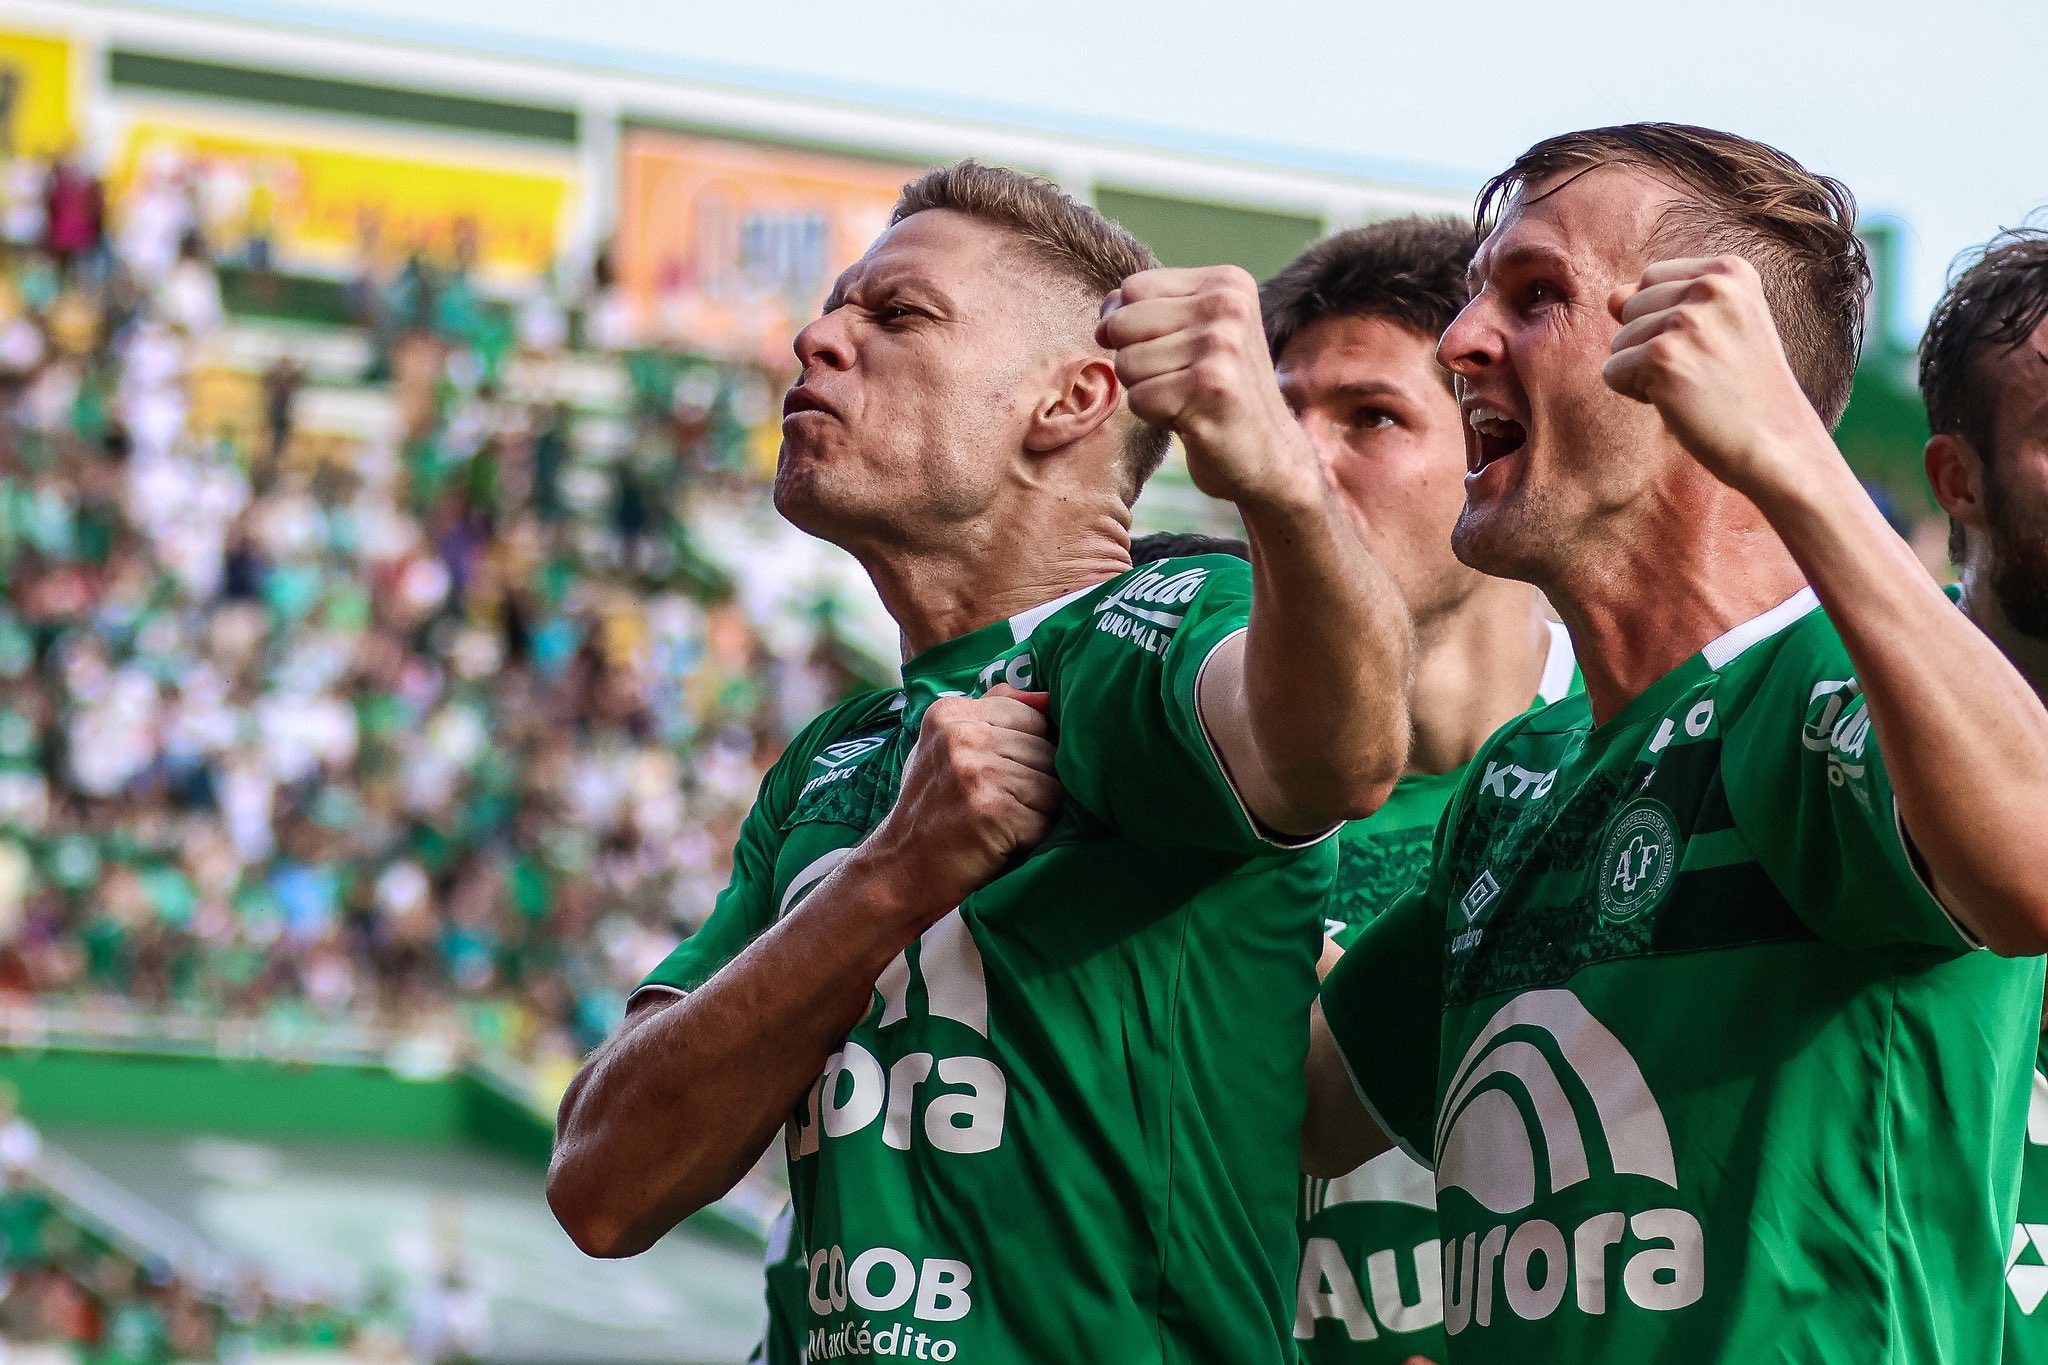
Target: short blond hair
pixel 1071 241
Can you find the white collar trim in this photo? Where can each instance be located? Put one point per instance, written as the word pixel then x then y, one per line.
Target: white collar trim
pixel 1725 650
pixel 1024 622
pixel 1557 666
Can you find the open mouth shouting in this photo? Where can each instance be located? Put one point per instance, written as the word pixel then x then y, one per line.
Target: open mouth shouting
pixel 1494 435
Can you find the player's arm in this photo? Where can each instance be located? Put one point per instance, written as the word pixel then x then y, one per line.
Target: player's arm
pixel 1307 708
pixel 1375 1037
pixel 675 1108
pixel 1338 1134
pixel 1964 739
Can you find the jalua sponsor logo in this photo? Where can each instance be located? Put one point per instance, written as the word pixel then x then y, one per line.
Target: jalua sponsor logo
pixel 1333 1288
pixel 1142 609
pixel 2026 1261
pixel 1842 733
pixel 1509 1135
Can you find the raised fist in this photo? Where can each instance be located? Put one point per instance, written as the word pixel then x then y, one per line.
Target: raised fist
pixel 1698 343
pixel 1191 351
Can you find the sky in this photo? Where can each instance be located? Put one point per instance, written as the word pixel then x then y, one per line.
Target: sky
pixel 1932 114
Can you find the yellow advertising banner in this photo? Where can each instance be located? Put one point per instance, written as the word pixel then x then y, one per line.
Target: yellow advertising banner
pixel 318 198
pixel 37 113
pixel 729 248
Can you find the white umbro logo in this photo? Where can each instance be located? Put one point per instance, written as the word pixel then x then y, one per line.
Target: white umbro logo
pixel 1479 895
pixel 846 750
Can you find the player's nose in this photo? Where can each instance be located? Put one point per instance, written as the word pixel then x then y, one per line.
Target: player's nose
pixel 1471 343
pixel 824 342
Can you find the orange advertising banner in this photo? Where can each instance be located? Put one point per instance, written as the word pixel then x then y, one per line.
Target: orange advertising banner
pixel 730 248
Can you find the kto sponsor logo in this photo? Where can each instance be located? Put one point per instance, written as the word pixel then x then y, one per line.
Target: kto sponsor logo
pixel 1540 1066
pixel 884 1280
pixel 1513 782
pixel 1018 672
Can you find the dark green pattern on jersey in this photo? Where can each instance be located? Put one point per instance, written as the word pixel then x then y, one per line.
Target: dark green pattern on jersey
pixel 1061 1133
pixel 1715 1079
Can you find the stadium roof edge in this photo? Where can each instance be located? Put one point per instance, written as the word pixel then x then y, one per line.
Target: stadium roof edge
pixel 1118 151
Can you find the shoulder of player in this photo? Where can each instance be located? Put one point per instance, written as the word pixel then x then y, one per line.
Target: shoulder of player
pixel 1178 580
pixel 1147 603
pixel 864 713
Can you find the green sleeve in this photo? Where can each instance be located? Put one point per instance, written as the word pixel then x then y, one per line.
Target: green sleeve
pixel 1808 790
pixel 1131 748
pixel 747 905
pixel 1384 1001
pixel 745 908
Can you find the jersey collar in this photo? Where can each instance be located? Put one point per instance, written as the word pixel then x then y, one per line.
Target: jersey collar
pixel 952 667
pixel 1714 656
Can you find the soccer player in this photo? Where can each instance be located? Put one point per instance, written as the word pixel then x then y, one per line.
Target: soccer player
pixel 1984 375
pixel 1353 325
pixel 1022 952
pixel 1691 1013
pixel 782 1341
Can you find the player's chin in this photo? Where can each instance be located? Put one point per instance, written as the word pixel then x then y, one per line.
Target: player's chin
pixel 1488 537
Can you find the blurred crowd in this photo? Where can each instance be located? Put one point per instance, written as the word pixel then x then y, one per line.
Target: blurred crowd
pixel 448 727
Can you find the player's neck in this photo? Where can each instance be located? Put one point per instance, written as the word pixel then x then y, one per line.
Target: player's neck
pixel 1478 667
pixel 2028 654
pixel 992 569
pixel 1638 611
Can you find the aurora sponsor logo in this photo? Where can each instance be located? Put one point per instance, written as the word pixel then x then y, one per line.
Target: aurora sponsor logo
pixel 884 1280
pixel 954 1104
pixel 1334 1288
pixel 1511 1133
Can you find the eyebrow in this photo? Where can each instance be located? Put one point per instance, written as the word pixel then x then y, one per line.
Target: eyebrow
pixel 1520 257
pixel 1368 388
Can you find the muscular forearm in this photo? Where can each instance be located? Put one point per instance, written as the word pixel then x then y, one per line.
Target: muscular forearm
pixel 1965 740
pixel 1326 660
pixel 680 1104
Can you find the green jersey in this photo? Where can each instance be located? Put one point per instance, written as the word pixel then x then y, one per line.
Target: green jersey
pixel 783 1274
pixel 2026 1257
pixel 1069 1127
pixel 1714 1077
pixel 1369 1238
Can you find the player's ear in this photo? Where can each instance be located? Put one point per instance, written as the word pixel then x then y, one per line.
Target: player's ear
pixel 1955 471
pixel 1085 394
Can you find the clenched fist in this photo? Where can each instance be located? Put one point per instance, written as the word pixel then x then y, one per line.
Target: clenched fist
pixel 1191 351
pixel 1698 343
pixel 978 788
